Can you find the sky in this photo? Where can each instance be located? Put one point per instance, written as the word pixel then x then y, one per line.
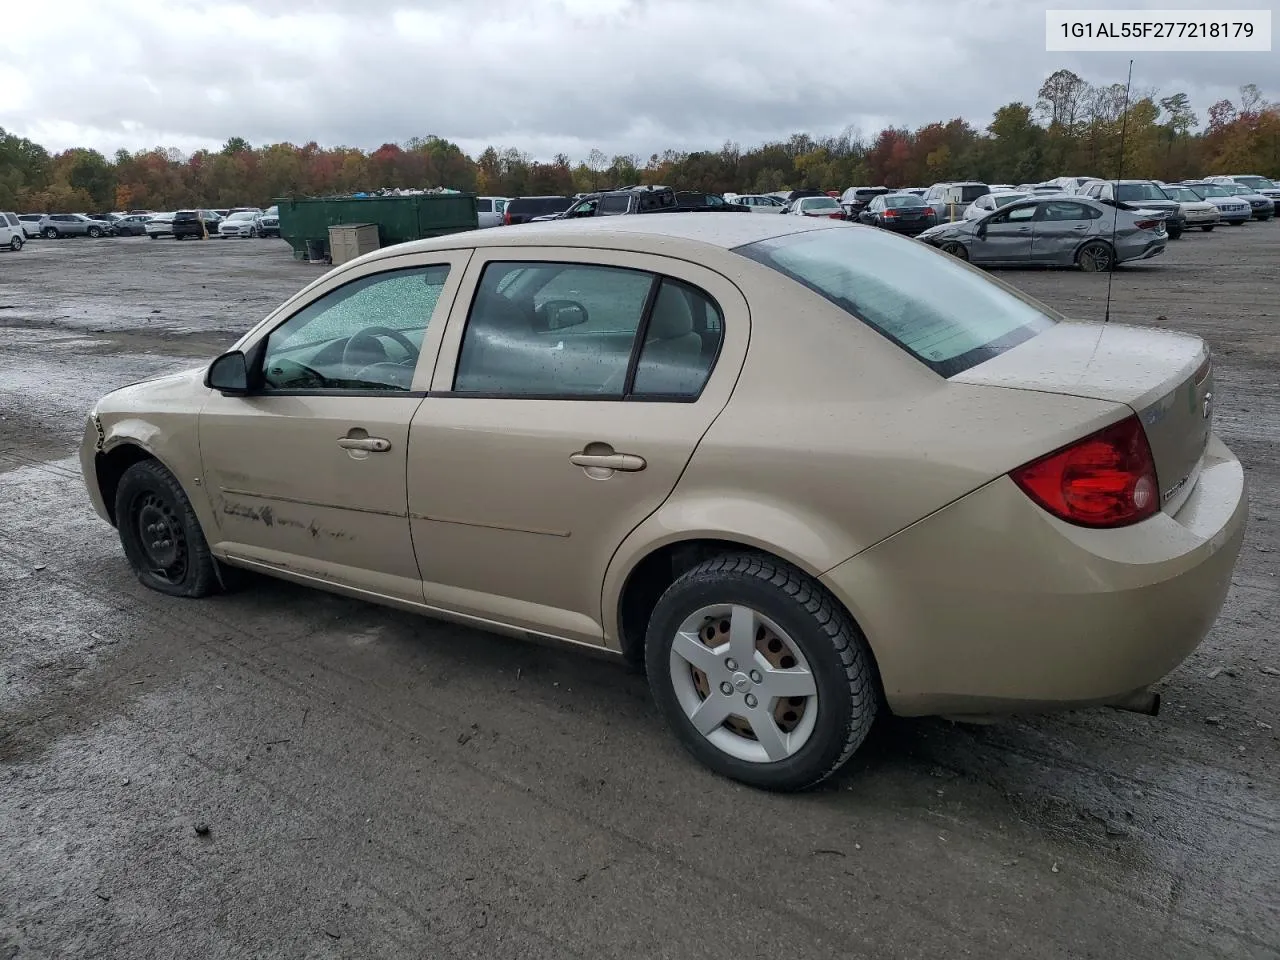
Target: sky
pixel 547 76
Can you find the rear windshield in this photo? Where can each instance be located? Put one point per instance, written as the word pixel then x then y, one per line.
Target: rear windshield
pixel 186 215
pixel 819 203
pixel 951 321
pixel 1129 192
pixel 903 200
pixel 971 193
pixel 868 194
pixel 538 206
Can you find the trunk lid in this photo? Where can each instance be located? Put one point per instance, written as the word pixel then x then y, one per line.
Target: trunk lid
pixel 1164 377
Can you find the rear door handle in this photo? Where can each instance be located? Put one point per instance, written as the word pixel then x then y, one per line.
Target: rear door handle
pixel 371 444
pixel 609 461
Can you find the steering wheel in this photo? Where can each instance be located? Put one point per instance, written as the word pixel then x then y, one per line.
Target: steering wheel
pixel 366 341
pixel 397 376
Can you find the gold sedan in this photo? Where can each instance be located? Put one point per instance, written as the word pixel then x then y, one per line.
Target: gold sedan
pixel 801 469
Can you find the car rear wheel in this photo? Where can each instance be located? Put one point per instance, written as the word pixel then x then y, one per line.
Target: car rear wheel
pixel 759 673
pixel 956 250
pixel 1208 229
pixel 49 233
pixel 15 244
pixel 160 534
pixel 1094 257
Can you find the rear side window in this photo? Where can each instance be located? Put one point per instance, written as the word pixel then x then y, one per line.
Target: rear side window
pixel 943 313
pixel 611 205
pixel 484 206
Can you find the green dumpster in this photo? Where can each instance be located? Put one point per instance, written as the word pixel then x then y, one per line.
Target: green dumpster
pixel 305 222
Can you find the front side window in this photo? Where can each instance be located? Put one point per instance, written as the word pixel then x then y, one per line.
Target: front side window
pixel 365 335
pixel 941 312
pixel 1015 215
pixel 562 330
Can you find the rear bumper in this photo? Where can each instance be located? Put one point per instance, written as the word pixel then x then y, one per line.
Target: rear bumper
pixel 992 605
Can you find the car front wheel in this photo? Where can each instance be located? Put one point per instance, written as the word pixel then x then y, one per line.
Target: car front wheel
pixel 1209 229
pixel 759 673
pixel 160 533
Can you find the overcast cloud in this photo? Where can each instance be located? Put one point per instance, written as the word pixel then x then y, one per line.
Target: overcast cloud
pixel 545 76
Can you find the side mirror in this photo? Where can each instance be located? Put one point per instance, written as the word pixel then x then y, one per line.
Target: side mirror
pixel 559 314
pixel 229 374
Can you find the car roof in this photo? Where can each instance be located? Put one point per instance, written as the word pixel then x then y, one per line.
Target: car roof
pixel 638 232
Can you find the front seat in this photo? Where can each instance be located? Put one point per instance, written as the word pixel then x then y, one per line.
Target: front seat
pixel 669 362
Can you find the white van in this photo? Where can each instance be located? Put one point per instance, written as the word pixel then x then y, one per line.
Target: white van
pixel 12 236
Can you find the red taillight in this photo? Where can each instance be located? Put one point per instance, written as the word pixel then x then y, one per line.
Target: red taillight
pixel 836 216
pixel 930 212
pixel 506 219
pixel 1147 224
pixel 1105 480
pixel 889 214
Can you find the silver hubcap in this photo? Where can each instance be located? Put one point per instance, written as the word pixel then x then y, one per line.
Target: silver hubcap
pixel 743 683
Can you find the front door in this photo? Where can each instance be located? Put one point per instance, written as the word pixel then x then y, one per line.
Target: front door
pixel 306 474
pixel 570 394
pixel 1005 237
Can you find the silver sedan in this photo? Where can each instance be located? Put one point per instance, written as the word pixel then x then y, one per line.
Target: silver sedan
pixel 1054 231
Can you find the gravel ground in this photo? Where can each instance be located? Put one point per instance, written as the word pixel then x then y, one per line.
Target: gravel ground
pixel 284 773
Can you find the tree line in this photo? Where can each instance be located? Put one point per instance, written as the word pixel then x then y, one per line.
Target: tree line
pixel 1074 128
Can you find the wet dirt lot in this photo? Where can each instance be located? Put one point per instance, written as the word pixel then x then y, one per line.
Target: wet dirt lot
pixel 283 773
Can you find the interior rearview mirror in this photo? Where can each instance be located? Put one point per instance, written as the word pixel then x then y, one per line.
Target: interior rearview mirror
pixel 229 374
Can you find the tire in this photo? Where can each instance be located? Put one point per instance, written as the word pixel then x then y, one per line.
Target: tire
pixel 1095 257
pixel 49 233
pixel 94 232
pixel 253 233
pixel 1237 223
pixel 154 236
pixel 1208 229
pixel 1175 233
pixel 151 503
pixel 15 243
pixel 791 623
pixel 956 250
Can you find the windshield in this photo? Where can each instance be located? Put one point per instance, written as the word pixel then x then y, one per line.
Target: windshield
pixel 1257 183
pixel 819 203
pixel 944 313
pixel 1008 198
pixel 242 216
pixel 1129 192
pixel 1211 190
pixel 903 200
pixel 1184 194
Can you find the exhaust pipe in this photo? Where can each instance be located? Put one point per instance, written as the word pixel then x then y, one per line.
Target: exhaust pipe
pixel 1142 701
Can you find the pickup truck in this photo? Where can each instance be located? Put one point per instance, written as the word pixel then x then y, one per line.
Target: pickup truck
pixel 629 200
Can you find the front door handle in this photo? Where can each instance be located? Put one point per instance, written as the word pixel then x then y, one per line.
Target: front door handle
pixel 609 461
pixel 369 444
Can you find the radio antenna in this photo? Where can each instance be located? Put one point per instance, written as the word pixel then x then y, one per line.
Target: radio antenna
pixel 1115 219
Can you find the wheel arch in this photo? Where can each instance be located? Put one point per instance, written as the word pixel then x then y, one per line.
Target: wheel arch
pixel 111 463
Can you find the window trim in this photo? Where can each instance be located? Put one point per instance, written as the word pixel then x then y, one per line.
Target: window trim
pixel 637 344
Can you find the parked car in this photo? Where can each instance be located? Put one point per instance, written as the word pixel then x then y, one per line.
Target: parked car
pixel 856 199
pixel 1268 188
pixel 1231 209
pixel 1196 210
pixel 524 209
pixel 1146 194
pixel 759 202
pixel 31 224
pixel 822 206
pixel 12 236
pixel 950 198
pixel 900 212
pixel 198 224
pixel 1262 206
pixel 269 222
pixel 1053 231
pixel 160 225
pixel 777 614
pixel 707 202
pixel 243 225
pixel 792 196
pixel 992 201
pixel 122 225
pixel 55 225
pixel 1070 184
pixel 490 210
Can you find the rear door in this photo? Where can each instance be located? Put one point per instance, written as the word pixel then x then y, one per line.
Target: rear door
pixel 1060 227
pixel 572 388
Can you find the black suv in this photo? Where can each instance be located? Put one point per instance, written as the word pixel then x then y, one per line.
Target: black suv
pixel 524 209
pixel 651 199
pixel 191 223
